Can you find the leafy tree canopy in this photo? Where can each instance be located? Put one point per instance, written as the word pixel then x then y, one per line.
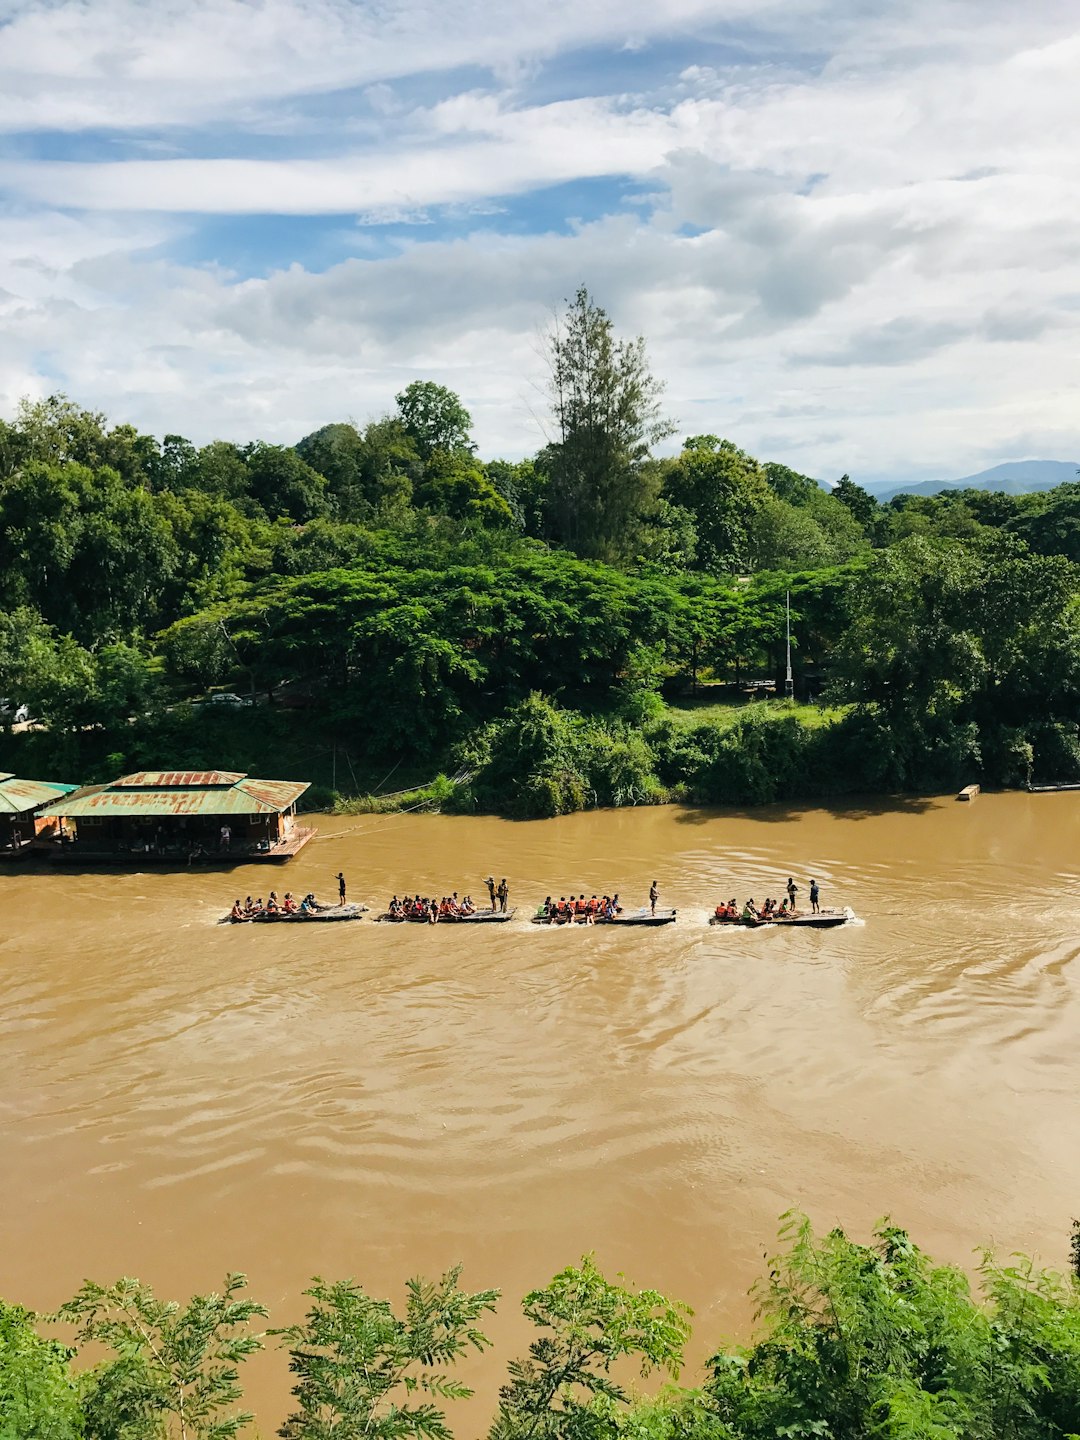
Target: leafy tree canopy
pixel 434 418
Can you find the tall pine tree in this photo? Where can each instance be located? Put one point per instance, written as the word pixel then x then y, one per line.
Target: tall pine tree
pixel 606 408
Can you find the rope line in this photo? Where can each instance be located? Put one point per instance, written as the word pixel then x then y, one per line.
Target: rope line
pixel 459 779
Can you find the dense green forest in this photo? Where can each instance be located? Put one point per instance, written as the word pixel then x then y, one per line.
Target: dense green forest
pixel 573 629
pixel 855 1341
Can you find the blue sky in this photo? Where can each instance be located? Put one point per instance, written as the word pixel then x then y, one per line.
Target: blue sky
pixel 848 231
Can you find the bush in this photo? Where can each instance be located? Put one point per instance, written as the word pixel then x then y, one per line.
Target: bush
pixel 1057 751
pixel 531 764
pixel 621 769
pixel 37 1395
pixel 539 761
pixel 435 796
pixel 1008 755
pixel 320 797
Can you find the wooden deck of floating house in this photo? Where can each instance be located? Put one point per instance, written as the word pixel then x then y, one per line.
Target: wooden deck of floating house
pixel 171 818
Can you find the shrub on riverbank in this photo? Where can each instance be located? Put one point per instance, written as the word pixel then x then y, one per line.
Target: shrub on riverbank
pixel 539 760
pixel 857 1341
pixel 432 797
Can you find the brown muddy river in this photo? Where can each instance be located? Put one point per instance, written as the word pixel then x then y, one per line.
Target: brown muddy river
pixel 178 1098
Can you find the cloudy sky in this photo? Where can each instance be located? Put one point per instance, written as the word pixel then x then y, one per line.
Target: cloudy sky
pixel 849 229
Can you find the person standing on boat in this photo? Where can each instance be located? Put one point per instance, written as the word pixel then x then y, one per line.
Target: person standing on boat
pixel 792 891
pixel 815 897
pixel 503 893
pixel 654 895
pixel 340 878
pixel 490 883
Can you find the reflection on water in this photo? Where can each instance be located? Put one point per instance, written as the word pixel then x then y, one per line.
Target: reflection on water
pixel 177 1097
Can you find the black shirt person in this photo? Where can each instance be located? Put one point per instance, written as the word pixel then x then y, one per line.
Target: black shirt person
pixel 654 895
pixel 340 878
pixel 815 896
pixel 792 891
pixel 503 893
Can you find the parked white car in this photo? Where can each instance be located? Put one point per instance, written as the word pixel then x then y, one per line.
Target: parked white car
pixel 226 697
pixel 12 713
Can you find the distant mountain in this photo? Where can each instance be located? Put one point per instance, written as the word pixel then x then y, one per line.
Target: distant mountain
pixel 1015 477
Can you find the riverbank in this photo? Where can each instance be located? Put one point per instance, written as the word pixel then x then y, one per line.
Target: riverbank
pixel 539 760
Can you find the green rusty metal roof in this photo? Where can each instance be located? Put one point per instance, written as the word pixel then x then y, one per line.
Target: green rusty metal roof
pixel 179 780
pixel 161 793
pixel 19 797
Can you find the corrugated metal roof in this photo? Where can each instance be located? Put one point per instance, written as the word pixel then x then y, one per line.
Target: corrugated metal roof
pixel 121 798
pixel 274 794
pixel 17 797
pixel 177 779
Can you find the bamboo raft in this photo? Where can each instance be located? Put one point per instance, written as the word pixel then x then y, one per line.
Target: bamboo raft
pixel 327 914
pixel 637 917
pixel 823 920
pixel 478 917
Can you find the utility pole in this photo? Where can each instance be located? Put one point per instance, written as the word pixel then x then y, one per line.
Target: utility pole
pixel 789 680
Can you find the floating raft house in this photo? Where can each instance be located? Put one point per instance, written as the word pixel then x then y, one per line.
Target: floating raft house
pixel 22 818
pixel 192 816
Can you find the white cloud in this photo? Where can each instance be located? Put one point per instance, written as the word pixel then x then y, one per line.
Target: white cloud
pixel 465 151
pixel 75 63
pixel 865 263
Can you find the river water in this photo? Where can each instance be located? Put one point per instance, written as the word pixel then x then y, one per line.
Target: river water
pixel 178 1098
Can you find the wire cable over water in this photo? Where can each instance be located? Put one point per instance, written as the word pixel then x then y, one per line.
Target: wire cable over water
pixel 461 778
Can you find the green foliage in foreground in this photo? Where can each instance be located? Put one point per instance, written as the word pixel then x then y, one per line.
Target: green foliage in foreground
pixel 565 1386
pixel 857 1342
pixel 38 1400
pixel 175 1369
pixel 359 1365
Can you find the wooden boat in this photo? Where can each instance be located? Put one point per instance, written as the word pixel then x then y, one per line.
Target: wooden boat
pixel 633 917
pixel 478 917
pixel 327 913
pixel 823 920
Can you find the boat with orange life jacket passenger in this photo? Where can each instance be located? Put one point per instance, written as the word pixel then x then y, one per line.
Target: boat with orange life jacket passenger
pixel 752 918
pixel 421 910
pixel 598 910
pixel 478 917
pixel 288 912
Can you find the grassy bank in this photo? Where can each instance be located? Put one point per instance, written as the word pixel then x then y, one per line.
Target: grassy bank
pixel 716 706
pixel 538 759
